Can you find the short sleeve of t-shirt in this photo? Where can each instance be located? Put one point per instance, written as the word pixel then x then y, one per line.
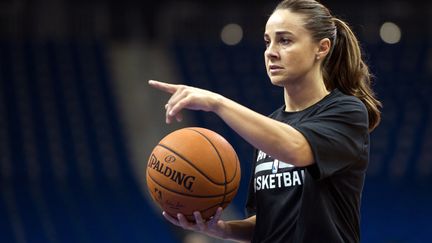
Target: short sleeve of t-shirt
pixel 337 135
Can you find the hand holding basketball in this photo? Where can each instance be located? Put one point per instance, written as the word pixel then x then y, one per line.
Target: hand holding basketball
pixel 185 97
pixel 193 169
pixel 213 227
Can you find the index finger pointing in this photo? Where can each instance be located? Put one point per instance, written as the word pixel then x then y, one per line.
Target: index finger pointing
pixel 170 88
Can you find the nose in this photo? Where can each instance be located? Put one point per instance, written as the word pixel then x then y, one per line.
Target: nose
pixel 271 51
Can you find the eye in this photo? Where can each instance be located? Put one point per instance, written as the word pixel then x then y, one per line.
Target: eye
pixel 266 43
pixel 285 41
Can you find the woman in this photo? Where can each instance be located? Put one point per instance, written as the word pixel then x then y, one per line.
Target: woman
pixel 311 153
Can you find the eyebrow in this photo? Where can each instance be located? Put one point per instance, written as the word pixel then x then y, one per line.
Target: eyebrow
pixel 284 32
pixel 281 32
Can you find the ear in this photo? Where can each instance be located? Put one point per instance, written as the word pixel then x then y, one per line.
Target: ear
pixel 324 46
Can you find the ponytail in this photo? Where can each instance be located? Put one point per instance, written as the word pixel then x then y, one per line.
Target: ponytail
pixel 345 69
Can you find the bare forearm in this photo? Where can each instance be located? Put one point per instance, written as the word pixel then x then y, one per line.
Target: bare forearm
pixel 277 139
pixel 240 230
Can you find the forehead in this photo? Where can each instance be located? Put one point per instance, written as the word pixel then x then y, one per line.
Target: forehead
pixel 285 20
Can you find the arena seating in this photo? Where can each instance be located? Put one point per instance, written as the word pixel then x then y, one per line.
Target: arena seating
pixel 65 174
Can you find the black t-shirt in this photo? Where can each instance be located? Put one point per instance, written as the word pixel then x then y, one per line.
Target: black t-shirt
pixel 321 202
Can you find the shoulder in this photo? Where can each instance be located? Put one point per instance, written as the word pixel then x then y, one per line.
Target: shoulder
pixel 337 109
pixel 340 102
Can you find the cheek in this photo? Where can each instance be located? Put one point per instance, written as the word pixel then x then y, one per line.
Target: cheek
pixel 298 60
pixel 291 59
pixel 266 61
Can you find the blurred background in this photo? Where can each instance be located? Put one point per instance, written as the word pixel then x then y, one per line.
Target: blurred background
pixel 78 120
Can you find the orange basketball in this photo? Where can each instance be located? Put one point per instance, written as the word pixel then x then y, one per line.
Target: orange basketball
pixel 193 169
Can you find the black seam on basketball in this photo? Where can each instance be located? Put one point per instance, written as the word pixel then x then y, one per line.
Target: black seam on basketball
pixel 220 204
pixel 182 193
pixel 212 206
pixel 206 209
pixel 191 164
pixel 221 161
pixel 235 171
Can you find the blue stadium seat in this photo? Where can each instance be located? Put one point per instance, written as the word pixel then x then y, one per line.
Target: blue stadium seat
pixel 64 171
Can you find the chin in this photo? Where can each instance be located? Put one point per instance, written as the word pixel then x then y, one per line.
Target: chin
pixel 278 81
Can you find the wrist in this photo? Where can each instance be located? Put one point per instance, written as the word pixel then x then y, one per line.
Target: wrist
pixel 217 103
pixel 226 232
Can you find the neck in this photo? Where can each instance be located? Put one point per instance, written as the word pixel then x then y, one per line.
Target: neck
pixel 301 95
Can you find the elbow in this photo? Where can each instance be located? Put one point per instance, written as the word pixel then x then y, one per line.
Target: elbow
pixel 297 153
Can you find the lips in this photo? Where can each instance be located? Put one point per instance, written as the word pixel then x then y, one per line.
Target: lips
pixel 274 68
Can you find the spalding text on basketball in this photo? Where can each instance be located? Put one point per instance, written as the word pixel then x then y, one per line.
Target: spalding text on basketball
pixel 180 178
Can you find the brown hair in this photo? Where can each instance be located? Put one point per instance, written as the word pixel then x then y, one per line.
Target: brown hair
pixel 344 67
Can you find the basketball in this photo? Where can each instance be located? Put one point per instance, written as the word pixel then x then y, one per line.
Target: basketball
pixel 193 169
